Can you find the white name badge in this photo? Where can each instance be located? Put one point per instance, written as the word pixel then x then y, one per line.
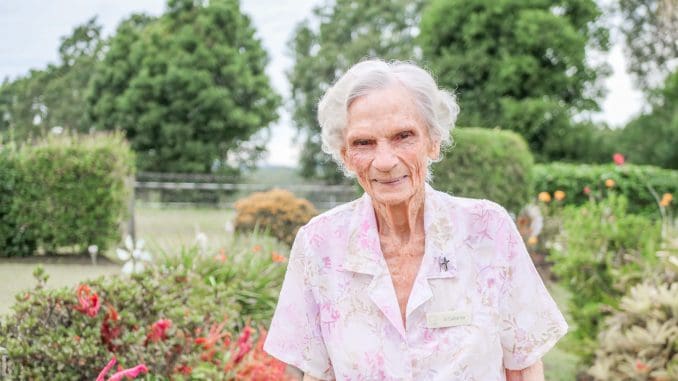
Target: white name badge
pixel 447 319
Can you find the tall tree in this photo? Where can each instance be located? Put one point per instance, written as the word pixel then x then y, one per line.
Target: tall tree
pixel 188 88
pixel 650 30
pixel 517 64
pixel 55 96
pixel 652 138
pixel 338 35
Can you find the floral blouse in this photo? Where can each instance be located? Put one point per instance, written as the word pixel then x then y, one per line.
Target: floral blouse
pixel 477 305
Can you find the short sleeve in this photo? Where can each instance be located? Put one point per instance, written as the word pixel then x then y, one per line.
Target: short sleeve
pixel 531 321
pixel 294 336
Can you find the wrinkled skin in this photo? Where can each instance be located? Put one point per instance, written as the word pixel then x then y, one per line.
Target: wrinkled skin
pixel 387 146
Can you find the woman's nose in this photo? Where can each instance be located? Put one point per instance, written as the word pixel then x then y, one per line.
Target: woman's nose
pixel 385 159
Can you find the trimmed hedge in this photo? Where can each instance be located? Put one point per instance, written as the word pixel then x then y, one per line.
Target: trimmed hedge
pixel 632 181
pixel 491 164
pixel 65 194
pixel 14 239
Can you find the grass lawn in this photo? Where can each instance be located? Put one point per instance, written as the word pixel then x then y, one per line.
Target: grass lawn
pixel 164 230
pixel 560 365
pixel 167 229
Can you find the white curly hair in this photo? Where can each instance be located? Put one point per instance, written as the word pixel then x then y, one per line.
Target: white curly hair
pixel 438 107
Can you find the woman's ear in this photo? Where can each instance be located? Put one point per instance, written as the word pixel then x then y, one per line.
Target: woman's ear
pixel 434 151
pixel 344 158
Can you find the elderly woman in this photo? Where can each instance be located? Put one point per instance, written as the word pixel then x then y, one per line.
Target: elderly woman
pixel 407 283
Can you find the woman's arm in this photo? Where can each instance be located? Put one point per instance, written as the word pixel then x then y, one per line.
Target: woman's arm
pixel 534 372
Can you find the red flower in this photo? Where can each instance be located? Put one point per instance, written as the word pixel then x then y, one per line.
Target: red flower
pixel 587 190
pixel 213 337
pixel 110 328
pixel 158 331
pixel 641 367
pixel 183 369
pixel 131 372
pixel 88 301
pixel 244 344
pixel 618 159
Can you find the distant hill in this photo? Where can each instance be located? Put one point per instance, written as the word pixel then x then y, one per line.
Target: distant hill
pixel 274 174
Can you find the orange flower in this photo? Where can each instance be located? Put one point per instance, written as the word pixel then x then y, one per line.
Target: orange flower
pixel 544 197
pixel 256 248
pixel 221 257
pixel 275 257
pixel 532 241
pixel 666 199
pixel 559 195
pixel 609 183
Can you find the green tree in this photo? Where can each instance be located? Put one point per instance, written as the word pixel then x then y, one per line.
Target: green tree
pixel 517 64
pixel 652 138
pixel 650 32
pixel 56 96
pixel 188 88
pixel 326 45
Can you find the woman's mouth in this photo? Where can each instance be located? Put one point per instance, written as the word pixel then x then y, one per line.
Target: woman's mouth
pixel 394 181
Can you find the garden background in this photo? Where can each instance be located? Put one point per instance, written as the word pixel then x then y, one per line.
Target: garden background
pixel 141 218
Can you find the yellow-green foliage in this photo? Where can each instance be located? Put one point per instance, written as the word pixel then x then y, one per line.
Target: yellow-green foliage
pixel 277 210
pixel 640 341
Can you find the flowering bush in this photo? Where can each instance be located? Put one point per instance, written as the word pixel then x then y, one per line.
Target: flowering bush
pixel 277 211
pixel 581 181
pixel 601 251
pixel 189 317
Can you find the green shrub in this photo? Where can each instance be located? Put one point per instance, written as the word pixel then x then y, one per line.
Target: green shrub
pixel 72 192
pixel 491 164
pixel 599 254
pixel 203 301
pixel 633 181
pixel 277 211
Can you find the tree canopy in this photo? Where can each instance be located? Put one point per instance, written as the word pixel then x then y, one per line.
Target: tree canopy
pixel 652 138
pixel 650 31
pixel 56 96
pixel 188 88
pixel 517 64
pixel 324 46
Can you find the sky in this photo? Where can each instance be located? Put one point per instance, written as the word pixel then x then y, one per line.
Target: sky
pixel 30 33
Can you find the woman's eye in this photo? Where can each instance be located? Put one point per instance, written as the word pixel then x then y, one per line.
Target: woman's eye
pixel 361 142
pixel 404 135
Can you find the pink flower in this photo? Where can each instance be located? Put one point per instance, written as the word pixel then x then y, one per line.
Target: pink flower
pixel 131 372
pixel 618 159
pixel 587 190
pixel 159 331
pixel 88 301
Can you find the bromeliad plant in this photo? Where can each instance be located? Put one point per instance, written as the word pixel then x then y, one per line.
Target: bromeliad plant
pixel 640 340
pixel 190 317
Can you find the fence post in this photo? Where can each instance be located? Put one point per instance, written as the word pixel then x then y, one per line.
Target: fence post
pixel 130 208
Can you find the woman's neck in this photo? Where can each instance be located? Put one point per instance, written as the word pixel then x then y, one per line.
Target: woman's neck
pixel 402 222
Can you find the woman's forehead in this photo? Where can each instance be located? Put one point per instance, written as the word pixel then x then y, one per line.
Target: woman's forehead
pixel 388 108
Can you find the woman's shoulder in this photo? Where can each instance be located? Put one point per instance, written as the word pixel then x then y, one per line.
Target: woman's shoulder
pixel 467 204
pixel 333 218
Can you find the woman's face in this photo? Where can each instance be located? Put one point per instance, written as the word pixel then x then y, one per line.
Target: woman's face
pixel 386 144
